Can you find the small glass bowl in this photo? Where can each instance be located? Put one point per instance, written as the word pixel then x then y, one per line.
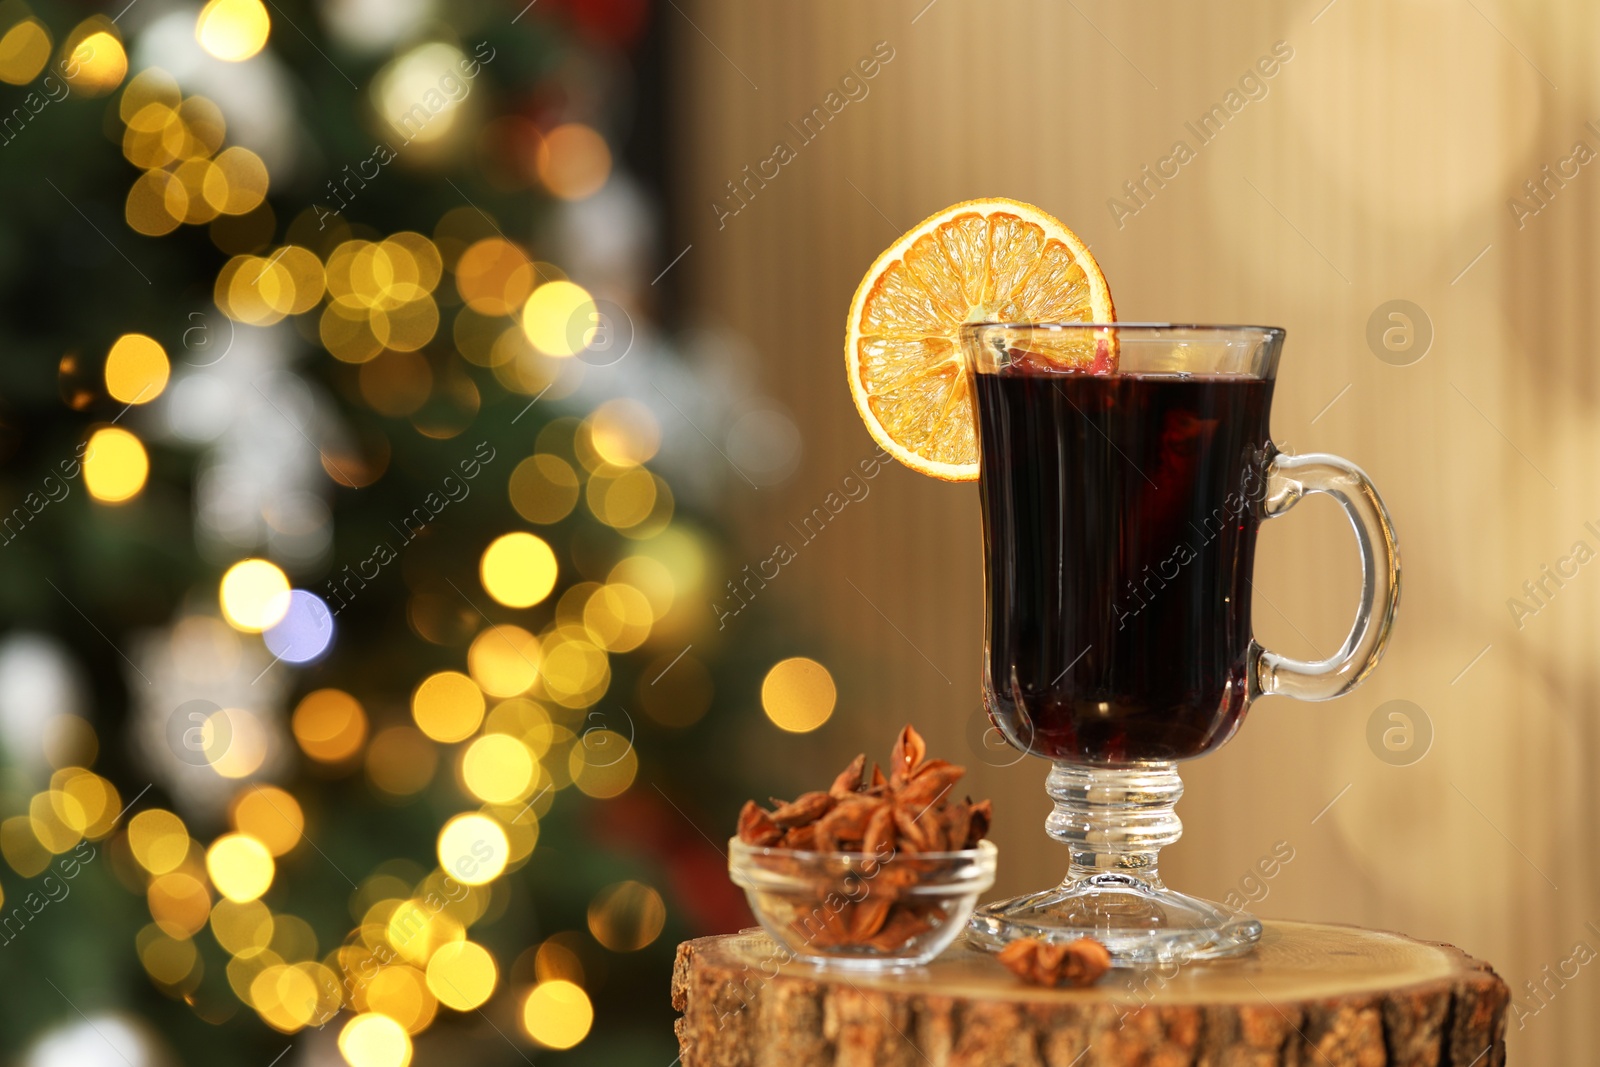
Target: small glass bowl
pixel 858 909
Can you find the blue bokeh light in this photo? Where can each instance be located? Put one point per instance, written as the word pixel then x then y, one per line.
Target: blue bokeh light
pixel 305 632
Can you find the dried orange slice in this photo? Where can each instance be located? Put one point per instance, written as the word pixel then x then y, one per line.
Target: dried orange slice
pixel 992 260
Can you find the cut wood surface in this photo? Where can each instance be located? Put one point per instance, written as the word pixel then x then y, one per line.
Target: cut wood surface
pixel 1308 995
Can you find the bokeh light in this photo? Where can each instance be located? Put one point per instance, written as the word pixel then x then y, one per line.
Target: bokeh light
pixel 473 849
pixel 560 318
pixel 576 672
pixel 518 570
pixel 243 929
pixel 627 916
pixel 246 739
pixel 603 764
pixel 557 1014
pixel 374 1040
pixel 158 840
pixel 270 815
pixel 504 660
pixel 543 488
pixel 798 694
pixel 462 975
pixel 57 820
pixel 254 595
pixel 447 706
pixel 233 30
pixel 498 769
pixel 401 760
pixel 557 957
pixel 24 50
pixel 136 369
pixel 618 616
pixel 239 866
pixel 417 929
pixel 21 848
pixel 623 497
pixel 396 383
pixel 95 801
pixel 179 903
pixel 167 959
pixel 329 725
pixel 115 465
pixel 624 432
pixel 156 204
pixel 494 277
pixel 651 577
pixel 238 185
pixel 573 161
pixel 305 631
pixel 400 87
pixel 96 62
pixel 402 993
pixel 150 86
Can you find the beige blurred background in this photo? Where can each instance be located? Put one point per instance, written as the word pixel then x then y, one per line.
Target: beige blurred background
pixel 1377 166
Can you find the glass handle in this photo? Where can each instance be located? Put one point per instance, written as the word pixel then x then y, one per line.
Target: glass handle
pixel 1288 479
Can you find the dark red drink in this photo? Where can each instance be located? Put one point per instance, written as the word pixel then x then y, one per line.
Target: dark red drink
pixel 1120 515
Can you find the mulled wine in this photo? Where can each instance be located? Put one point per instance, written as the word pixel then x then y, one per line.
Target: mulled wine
pixel 1120 514
pixel 1124 470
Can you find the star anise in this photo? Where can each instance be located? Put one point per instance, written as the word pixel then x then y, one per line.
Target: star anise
pixel 1078 963
pixel 894 817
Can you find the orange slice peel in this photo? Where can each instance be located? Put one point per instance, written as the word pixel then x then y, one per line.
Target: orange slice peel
pixel 992 260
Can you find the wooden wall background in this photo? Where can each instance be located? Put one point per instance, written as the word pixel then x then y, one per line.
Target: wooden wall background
pixel 1378 166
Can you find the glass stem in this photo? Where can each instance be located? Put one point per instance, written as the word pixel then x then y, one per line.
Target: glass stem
pixel 1115 819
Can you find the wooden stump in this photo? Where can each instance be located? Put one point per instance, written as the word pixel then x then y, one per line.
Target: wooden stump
pixel 1309 995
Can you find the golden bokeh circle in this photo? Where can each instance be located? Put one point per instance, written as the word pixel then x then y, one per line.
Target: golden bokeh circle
pixel 798 694
pixel 240 867
pixel 518 569
pixel 254 594
pixel 462 975
pixel 447 706
pixel 115 465
pixel 329 725
pixel 136 369
pixel 374 1040
pixel 627 916
pixel 473 849
pixel 557 1014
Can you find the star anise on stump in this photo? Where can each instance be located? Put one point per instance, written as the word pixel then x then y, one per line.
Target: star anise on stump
pixel 893 817
pixel 1078 963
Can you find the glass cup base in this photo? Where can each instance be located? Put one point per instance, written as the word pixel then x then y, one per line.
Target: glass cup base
pixel 1114 821
pixel 1138 922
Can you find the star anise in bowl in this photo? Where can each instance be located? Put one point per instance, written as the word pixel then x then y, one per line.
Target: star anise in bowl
pixel 879 869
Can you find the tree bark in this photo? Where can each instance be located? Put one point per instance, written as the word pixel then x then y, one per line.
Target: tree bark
pixel 1309 996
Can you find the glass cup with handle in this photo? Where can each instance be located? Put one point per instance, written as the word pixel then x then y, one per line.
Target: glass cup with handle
pixel 1120 513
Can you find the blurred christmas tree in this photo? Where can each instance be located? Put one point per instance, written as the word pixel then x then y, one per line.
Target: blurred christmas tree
pixel 353 526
